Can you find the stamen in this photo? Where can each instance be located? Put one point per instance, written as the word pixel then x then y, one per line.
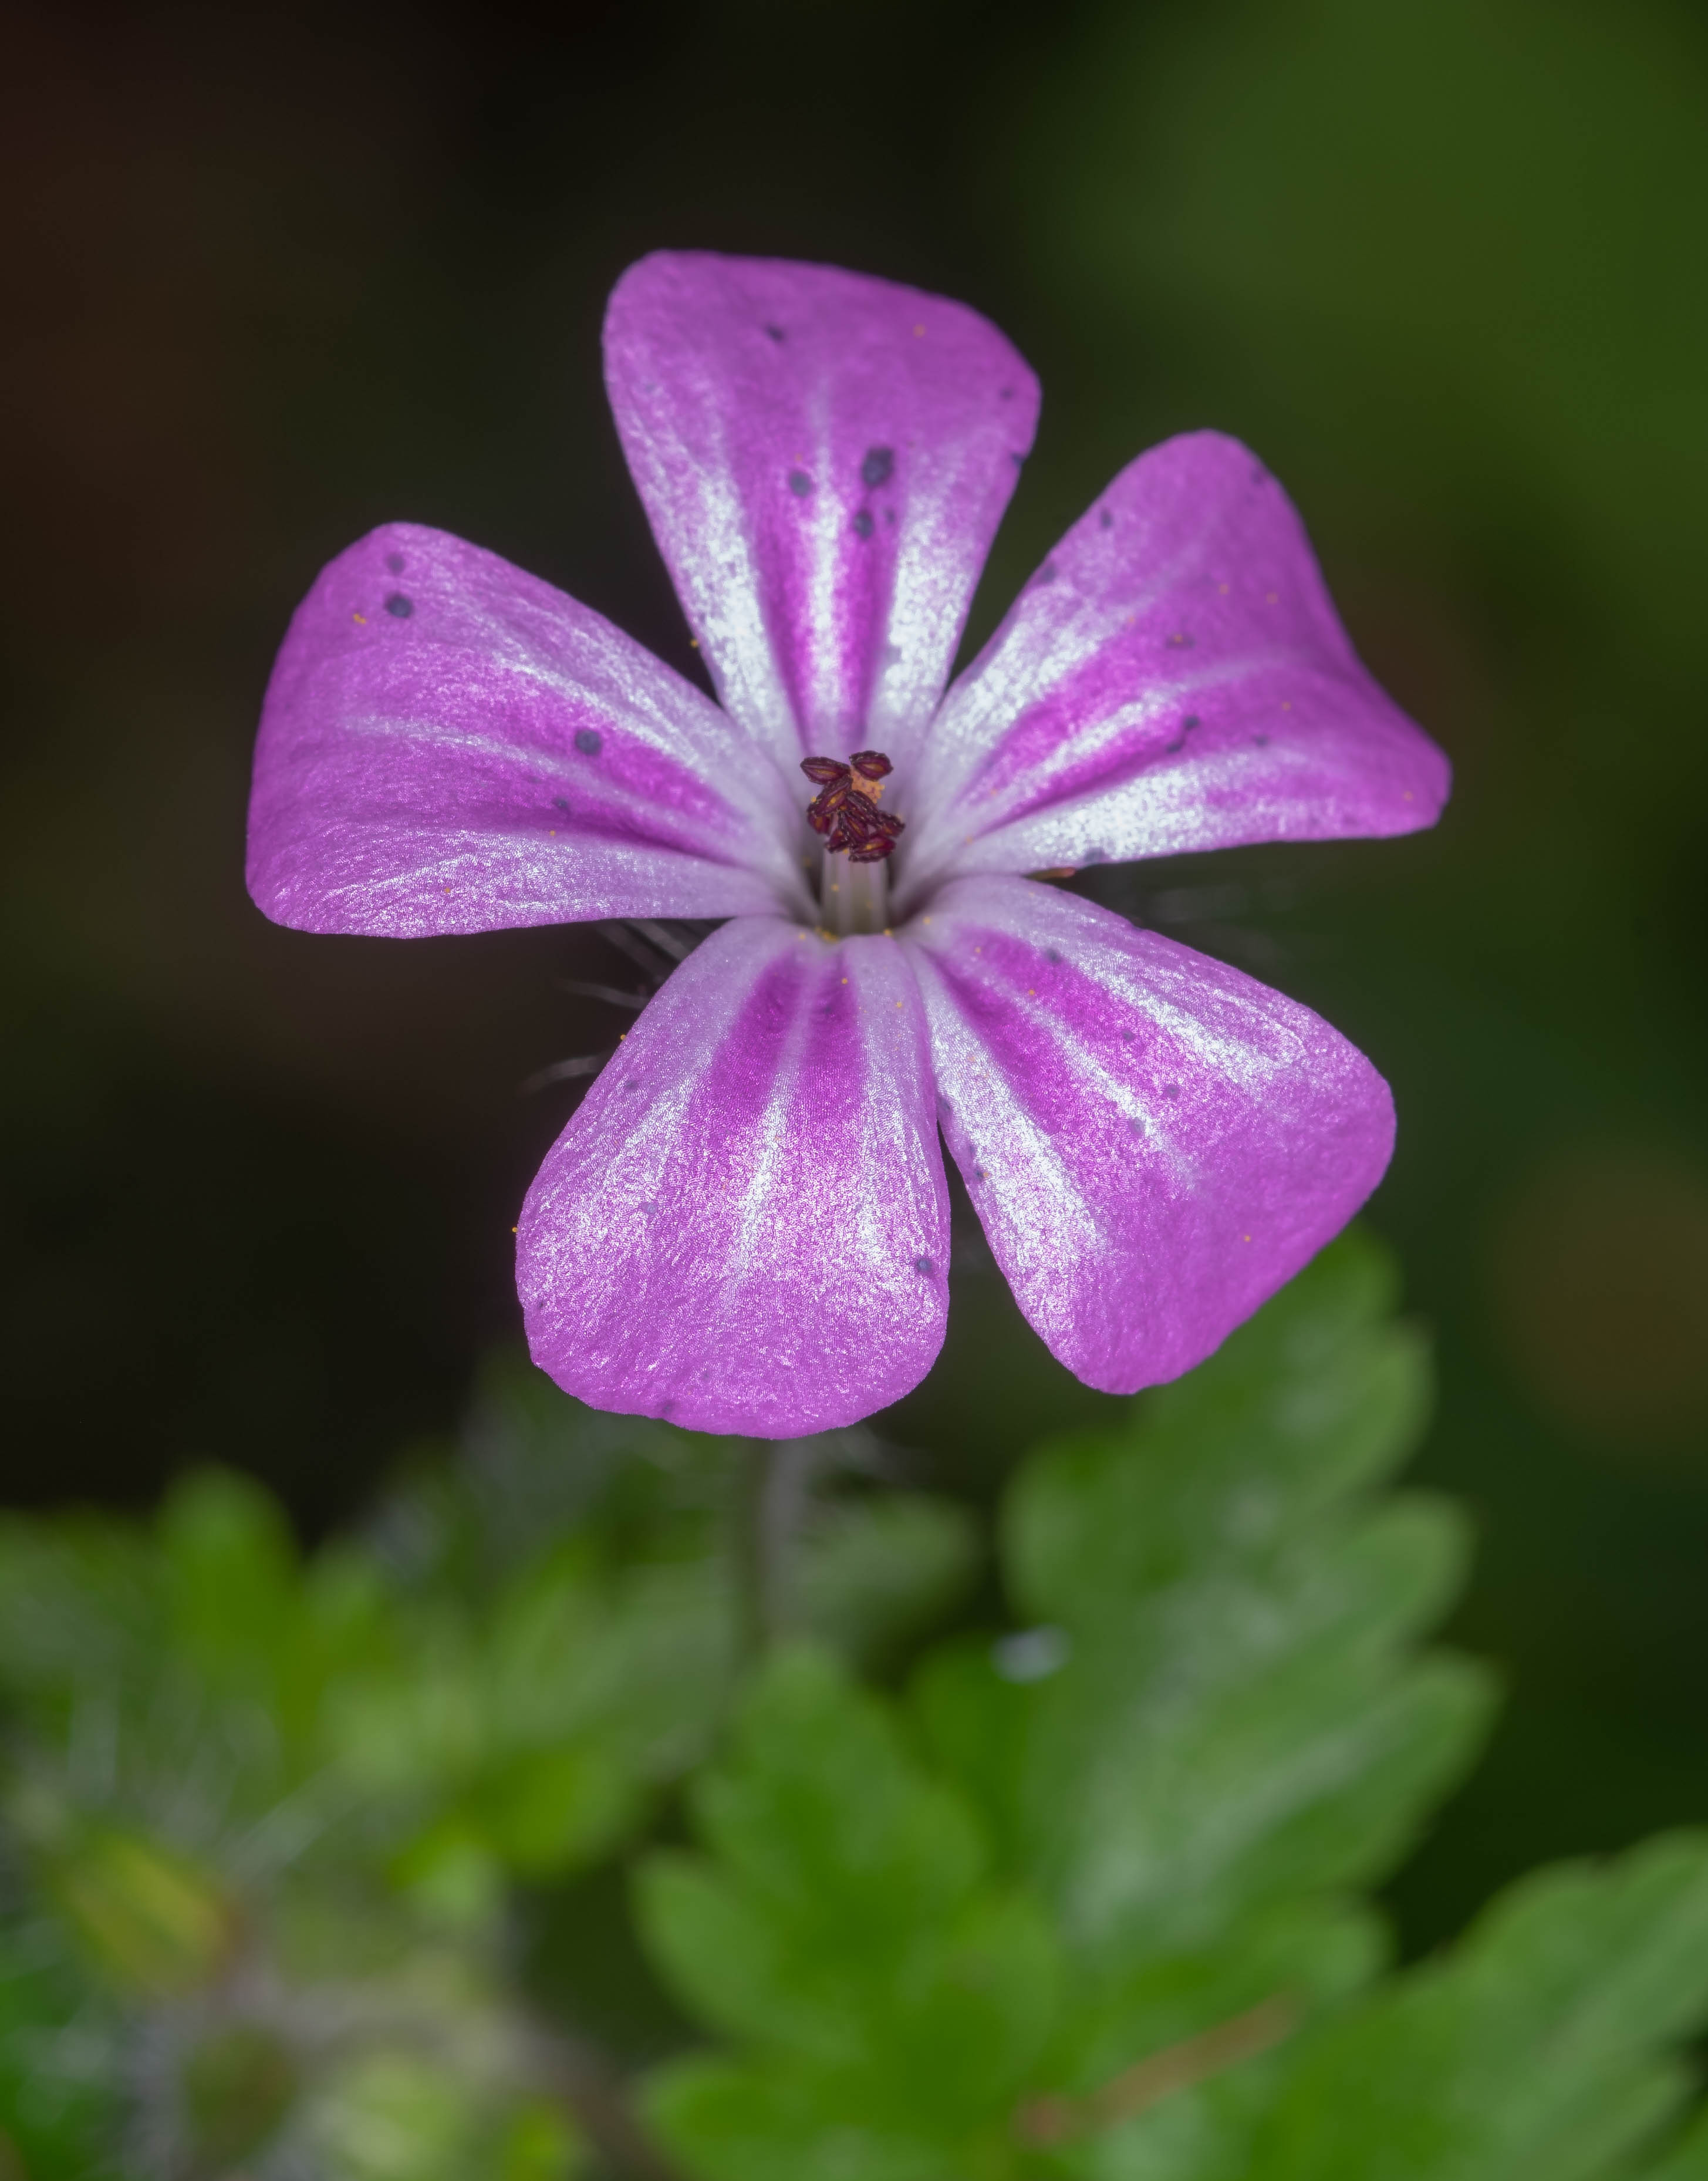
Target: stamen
pixel 845 813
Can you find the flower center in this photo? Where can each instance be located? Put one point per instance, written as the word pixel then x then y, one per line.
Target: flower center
pixel 844 810
pixel 845 813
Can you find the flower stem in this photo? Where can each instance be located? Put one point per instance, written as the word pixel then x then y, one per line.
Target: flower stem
pixel 777 1475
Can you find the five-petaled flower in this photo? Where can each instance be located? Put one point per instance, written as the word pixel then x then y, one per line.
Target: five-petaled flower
pixel 745 1226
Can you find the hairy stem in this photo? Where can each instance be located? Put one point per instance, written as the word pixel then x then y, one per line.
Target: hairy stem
pixel 775 1485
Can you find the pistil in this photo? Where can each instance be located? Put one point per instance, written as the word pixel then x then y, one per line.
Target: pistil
pixel 859 838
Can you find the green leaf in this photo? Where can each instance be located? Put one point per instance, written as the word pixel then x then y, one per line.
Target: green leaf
pixel 1218 1718
pixel 530 1728
pixel 1236 1718
pixel 1687 2159
pixel 845 1927
pixel 1543 2048
pixel 58 2082
pixel 756 2124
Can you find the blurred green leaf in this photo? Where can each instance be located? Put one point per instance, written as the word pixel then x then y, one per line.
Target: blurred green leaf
pixel 531 1728
pixel 59 2086
pixel 1218 1719
pixel 1159 1795
pixel 1687 2159
pixel 846 1929
pixel 1543 2048
pixel 149 1919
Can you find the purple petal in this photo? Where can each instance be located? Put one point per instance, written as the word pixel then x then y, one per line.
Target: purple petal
pixel 825 458
pixel 1154 1142
pixel 745 1227
pixel 449 745
pixel 1173 677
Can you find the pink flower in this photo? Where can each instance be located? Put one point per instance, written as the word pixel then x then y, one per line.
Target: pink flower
pixel 745 1227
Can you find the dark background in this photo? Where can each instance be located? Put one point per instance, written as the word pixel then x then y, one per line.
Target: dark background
pixel 271 275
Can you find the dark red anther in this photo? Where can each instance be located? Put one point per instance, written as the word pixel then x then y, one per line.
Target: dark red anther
pixel 828 801
pixel 845 812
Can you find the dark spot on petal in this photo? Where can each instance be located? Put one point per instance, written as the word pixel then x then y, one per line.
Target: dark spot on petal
pixel 979 1173
pixel 398 606
pixel 1105 521
pixel 1046 574
pixel 665 1407
pixel 632 1083
pixel 1262 741
pixel 800 483
pixel 862 524
pixel 394 562
pixel 1096 856
pixel 776 332
pixel 922 1264
pixel 1052 953
pixel 1186 727
pixel 560 802
pixel 1017 459
pixel 1136 1122
pixel 878 465
pixel 890 514
pixel 1008 393
pixel 1170 1090
pixel 589 741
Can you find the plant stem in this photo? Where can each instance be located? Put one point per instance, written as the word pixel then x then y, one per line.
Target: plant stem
pixel 776 1481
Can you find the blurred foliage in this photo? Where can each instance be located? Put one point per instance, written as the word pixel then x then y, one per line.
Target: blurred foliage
pixel 268 1816
pixel 920 1893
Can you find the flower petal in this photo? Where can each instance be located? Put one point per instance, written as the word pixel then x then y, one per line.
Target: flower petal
pixel 449 745
pixel 1155 1142
pixel 1173 677
pixel 745 1227
pixel 825 458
